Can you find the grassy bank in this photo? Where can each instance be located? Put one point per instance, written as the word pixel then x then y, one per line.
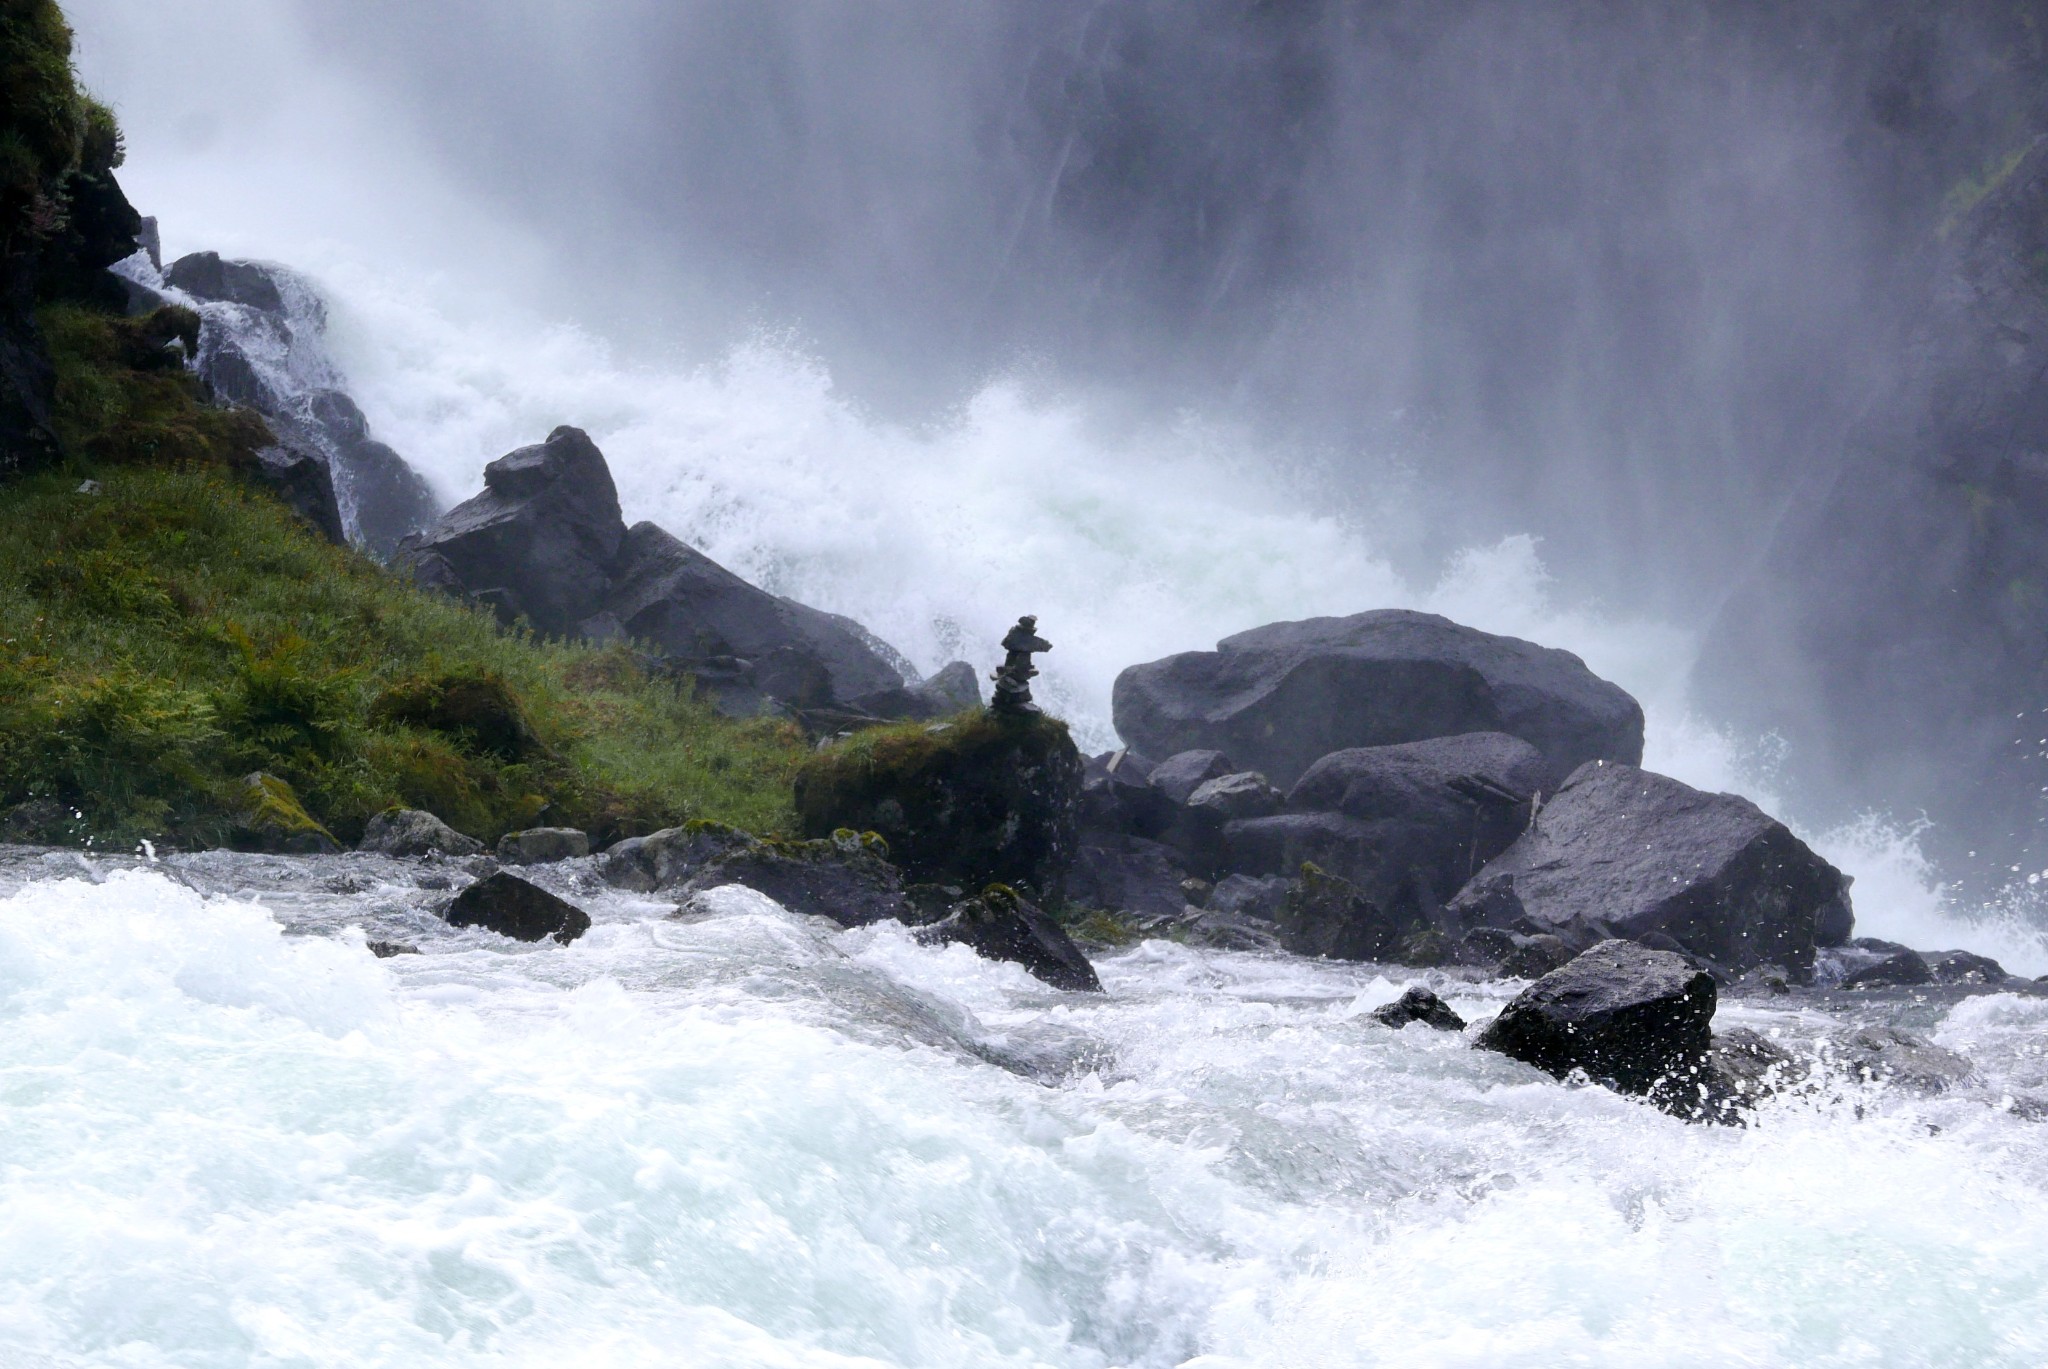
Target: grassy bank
pixel 168 635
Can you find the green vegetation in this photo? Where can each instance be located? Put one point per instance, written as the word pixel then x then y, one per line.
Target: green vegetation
pixel 168 636
pixel 44 118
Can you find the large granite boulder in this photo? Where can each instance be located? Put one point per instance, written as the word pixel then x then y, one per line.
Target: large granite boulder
pixel 744 644
pixel 1622 852
pixel 1281 697
pixel 1634 1019
pixel 543 537
pixel 991 798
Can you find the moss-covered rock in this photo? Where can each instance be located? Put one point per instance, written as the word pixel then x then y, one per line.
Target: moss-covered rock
pixel 985 798
pixel 273 819
pixel 477 710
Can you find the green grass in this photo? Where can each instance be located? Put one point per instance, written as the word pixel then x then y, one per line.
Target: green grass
pixel 169 635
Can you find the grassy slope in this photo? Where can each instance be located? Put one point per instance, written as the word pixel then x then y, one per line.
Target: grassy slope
pixel 180 629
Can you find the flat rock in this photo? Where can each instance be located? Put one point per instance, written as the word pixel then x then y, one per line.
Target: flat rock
pixel 1278 698
pixel 1418 1004
pixel 1634 1019
pixel 415 832
pixel 510 906
pixel 1623 852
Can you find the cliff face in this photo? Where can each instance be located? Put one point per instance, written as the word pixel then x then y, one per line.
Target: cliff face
pixel 63 218
pixel 1897 632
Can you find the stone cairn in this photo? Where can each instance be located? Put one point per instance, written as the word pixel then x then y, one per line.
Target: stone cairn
pixel 1013 677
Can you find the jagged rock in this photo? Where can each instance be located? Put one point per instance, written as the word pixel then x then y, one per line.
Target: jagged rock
pixel 1894 971
pixel 1181 774
pixel 952 688
pixel 542 845
pixel 1623 852
pixel 413 832
pixel 668 857
pixel 302 482
pixel 510 906
pixel 1126 875
pixel 1965 967
pixel 1326 915
pixel 545 533
pixel 1280 697
pixel 1419 1005
pixel 696 611
pixel 999 925
pixel 391 500
pixel 1743 1068
pixel 1890 1055
pixel 1633 1019
pixel 847 878
pixel 273 819
pixel 990 799
pixel 205 275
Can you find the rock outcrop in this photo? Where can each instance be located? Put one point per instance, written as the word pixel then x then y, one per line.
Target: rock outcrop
pixel 1281 697
pixel 1634 1019
pixel 1623 852
pixel 510 906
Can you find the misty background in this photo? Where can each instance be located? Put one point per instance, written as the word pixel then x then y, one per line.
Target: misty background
pixel 1622 277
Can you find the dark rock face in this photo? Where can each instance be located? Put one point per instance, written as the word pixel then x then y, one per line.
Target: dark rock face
pixel 1117 796
pixel 206 276
pixel 989 799
pixel 1419 1005
pixel 544 533
pixel 510 906
pixel 844 879
pixel 1181 774
pixel 1253 896
pixel 1903 968
pixel 1127 875
pixel 744 644
pixel 542 845
pixel 1633 1019
pixel 1965 967
pixel 1279 698
pixel 1622 852
pixel 1326 915
pixel 1001 926
pixel 1512 955
pixel 306 488
pixel 413 832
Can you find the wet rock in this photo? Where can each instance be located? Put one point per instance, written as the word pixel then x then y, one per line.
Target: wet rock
pixel 1117 797
pixel 1633 1019
pixel 1126 875
pixel 1622 852
pixel 1283 843
pixel 271 818
pixel 542 845
pixel 1744 1067
pixel 1280 697
pixel 414 832
pixel 510 906
pixel 847 878
pixel 1258 897
pixel 1327 915
pixel 302 483
pixel 1181 774
pixel 1893 1056
pixel 1229 798
pixel 1419 1005
pixel 1426 949
pixel 668 857
pixel 1894 971
pixel 384 950
pixel 1512 955
pixel 205 275
pixel 1223 931
pixel 1000 925
pixel 993 798
pixel 1965 967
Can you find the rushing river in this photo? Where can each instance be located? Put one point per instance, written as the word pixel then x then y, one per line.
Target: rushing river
pixel 740 1137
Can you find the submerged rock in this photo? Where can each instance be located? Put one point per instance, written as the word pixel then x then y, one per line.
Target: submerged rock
pixel 1623 852
pixel 1418 1004
pixel 1894 1056
pixel 1000 925
pixel 1634 1019
pixel 415 832
pixel 510 906
pixel 1279 698
pixel 993 798
pixel 542 845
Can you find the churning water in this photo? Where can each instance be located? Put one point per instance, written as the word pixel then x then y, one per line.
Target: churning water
pixel 746 1138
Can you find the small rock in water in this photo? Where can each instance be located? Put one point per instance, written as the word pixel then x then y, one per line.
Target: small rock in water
pixel 1894 971
pixel 1891 1055
pixel 384 950
pixel 1744 1067
pixel 415 832
pixel 510 906
pixel 999 925
pixel 542 845
pixel 1632 1018
pixel 1419 1005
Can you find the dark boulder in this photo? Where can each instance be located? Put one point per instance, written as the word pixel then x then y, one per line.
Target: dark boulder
pixel 389 498
pixel 1181 774
pixel 1279 698
pixel 510 906
pixel 1965 967
pixel 1419 1005
pixel 1123 874
pixel 304 486
pixel 1634 1019
pixel 1234 798
pixel 1894 971
pixel 545 533
pixel 663 859
pixel 1623 852
pixel 991 798
pixel 999 925
pixel 1327 915
pixel 205 275
pixel 1117 796
pixel 1259 897
pixel 1512 955
pixel 847 878
pixel 1283 843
